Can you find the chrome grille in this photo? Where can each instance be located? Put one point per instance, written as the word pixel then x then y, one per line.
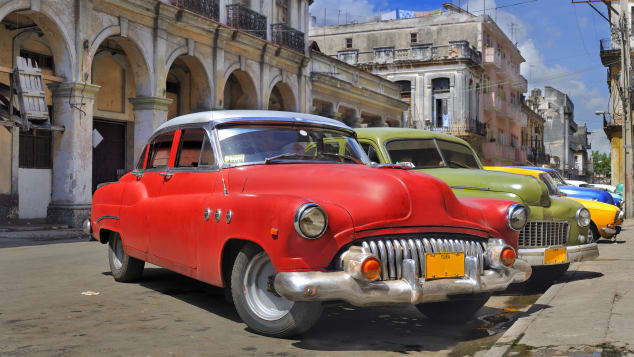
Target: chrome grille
pixel 392 252
pixel 544 234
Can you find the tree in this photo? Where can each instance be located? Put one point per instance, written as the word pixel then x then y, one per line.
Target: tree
pixel 601 163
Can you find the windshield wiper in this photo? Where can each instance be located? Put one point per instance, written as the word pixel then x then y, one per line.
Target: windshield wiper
pixel 458 164
pixel 287 155
pixel 332 154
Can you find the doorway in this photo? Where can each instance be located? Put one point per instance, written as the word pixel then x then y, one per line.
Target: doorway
pixel 108 153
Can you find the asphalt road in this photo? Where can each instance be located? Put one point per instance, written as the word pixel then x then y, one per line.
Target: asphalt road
pixel 49 306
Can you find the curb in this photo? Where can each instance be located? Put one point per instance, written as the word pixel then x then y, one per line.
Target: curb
pixel 516 331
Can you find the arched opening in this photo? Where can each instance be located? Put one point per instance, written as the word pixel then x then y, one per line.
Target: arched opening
pixel 187 86
pixel 120 69
pixel 323 108
pixel 371 120
pixel 240 92
pixel 282 98
pixel 348 115
pixel 37 37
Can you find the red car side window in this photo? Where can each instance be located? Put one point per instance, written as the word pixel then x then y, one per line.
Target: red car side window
pixel 190 148
pixel 160 151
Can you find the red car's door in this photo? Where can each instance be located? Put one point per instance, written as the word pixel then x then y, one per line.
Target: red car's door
pixel 185 191
pixel 138 211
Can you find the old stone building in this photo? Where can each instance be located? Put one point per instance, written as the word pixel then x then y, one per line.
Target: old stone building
pixel 116 69
pixel 533 136
pixel 564 140
pixel 459 71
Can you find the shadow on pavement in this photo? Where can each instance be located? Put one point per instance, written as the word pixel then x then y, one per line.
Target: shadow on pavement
pixel 609 241
pixel 578 275
pixel 188 290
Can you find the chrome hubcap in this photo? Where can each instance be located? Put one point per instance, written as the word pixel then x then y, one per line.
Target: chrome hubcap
pixel 266 304
pixel 590 236
pixel 117 257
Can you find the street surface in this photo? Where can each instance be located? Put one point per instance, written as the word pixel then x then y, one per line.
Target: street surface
pixel 58 299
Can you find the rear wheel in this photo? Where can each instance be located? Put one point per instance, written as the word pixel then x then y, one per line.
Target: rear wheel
pixel 257 303
pixel 459 309
pixel 124 268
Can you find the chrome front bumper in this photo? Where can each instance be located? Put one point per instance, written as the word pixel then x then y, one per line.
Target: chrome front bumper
pixel 339 285
pixel 576 253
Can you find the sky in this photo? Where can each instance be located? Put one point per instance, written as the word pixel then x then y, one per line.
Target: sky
pixel 559 41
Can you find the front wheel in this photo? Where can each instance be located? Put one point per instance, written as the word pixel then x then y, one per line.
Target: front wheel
pixel 123 267
pixel 459 309
pixel 593 233
pixel 257 303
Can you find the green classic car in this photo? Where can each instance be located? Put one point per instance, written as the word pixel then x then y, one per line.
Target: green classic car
pixel 556 233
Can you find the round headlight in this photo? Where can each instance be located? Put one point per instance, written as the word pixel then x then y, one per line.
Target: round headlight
pixel 583 217
pixel 517 216
pixel 311 221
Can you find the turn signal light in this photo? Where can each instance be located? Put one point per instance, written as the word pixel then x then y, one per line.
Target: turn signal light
pixel 371 269
pixel 508 256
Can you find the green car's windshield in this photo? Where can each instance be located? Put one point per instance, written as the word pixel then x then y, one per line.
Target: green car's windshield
pixel 553 189
pixel 429 153
pixel 250 144
pixel 556 176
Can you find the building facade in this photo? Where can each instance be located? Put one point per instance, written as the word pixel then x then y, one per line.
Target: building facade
pixel 116 69
pixel 460 73
pixel 533 136
pixel 610 53
pixel 564 140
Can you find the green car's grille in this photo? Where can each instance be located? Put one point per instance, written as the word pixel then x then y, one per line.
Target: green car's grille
pixel 544 234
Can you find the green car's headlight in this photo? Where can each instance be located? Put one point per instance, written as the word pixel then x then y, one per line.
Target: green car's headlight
pixel 583 217
pixel 517 216
pixel 310 221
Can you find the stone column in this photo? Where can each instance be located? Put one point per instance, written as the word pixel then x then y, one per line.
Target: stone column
pixel 72 152
pixel 149 113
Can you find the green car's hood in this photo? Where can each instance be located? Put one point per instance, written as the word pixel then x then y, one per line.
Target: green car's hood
pixel 466 182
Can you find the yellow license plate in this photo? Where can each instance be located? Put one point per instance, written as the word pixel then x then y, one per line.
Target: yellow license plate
pixel 444 265
pixel 555 255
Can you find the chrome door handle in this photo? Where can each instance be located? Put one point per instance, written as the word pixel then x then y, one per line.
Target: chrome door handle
pixel 166 175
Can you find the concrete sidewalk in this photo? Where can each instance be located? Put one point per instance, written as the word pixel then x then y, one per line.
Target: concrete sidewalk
pixel 589 312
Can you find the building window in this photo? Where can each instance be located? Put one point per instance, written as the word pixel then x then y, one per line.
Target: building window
pixel 43 61
pixel 349 42
pixel 406 88
pixel 35 149
pixel 282 11
pixel 440 107
pixel 413 37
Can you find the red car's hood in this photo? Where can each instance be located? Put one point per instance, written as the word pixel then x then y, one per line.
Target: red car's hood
pixel 375 198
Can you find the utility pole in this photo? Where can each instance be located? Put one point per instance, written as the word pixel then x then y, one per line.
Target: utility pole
pixel 626 125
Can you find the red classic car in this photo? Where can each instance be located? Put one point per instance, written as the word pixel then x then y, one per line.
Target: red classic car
pixel 285 211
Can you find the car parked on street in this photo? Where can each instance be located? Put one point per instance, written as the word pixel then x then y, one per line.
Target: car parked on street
pixel 605 218
pixel 572 190
pixel 556 233
pixel 285 211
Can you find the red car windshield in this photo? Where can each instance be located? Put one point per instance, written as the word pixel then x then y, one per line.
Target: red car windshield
pixel 249 144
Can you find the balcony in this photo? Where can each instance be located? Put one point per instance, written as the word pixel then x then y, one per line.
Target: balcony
pixel 464 128
pixel 455 50
pixel 492 57
pixel 491 102
pixel 288 37
pixel 247 20
pixel 497 154
pixel 610 52
pixel 206 8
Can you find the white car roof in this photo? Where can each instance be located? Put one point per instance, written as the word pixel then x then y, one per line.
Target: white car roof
pixel 227 116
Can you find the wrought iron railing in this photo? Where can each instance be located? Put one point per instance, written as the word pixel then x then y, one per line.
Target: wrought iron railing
pixel 461 128
pixel 245 19
pixel 207 8
pixel 455 50
pixel 286 36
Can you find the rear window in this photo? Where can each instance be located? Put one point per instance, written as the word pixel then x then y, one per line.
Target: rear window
pixel 420 152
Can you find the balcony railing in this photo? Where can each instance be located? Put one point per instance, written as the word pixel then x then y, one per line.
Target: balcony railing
pixel 455 50
pixel 286 36
pixel 207 8
pixel 245 19
pixel 610 51
pixel 471 126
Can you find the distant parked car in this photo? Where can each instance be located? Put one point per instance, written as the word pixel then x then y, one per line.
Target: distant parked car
pixel 556 233
pixel 605 218
pixel 574 191
pixel 285 211
pixel 577 183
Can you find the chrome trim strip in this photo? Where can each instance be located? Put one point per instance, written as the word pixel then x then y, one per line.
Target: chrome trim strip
pixel 471 188
pixel 106 217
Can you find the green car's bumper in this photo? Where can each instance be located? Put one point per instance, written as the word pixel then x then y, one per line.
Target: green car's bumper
pixel 575 253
